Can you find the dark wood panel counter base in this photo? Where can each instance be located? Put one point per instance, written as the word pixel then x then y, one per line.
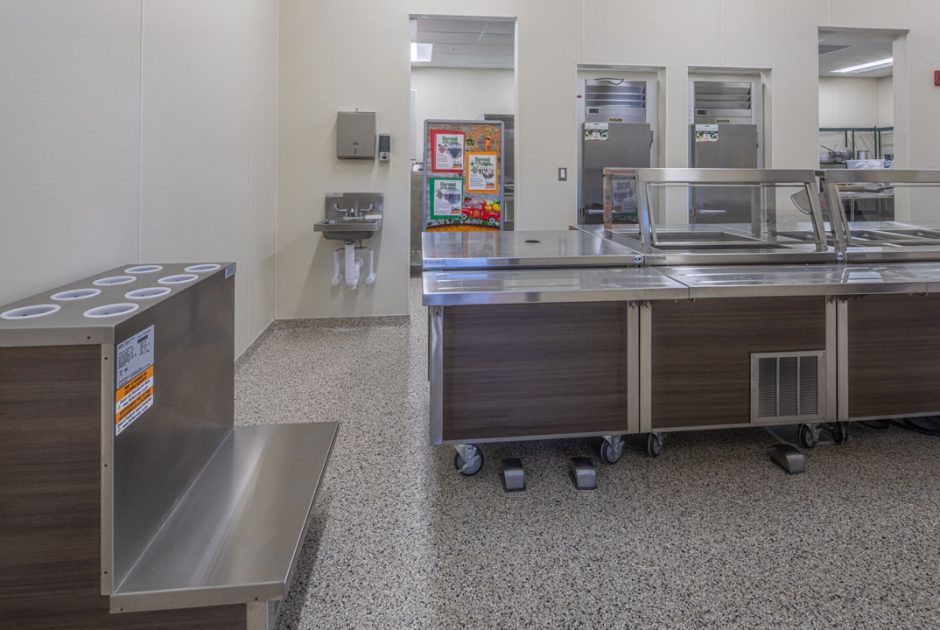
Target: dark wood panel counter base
pixel 534 369
pixel 701 353
pixel 893 355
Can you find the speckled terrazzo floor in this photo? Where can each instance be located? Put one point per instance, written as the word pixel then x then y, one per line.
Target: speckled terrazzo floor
pixel 711 534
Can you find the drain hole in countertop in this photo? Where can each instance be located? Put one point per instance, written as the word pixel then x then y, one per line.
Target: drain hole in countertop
pixel 30 312
pixel 148 293
pixel 144 269
pixel 75 294
pixel 180 278
pixel 111 310
pixel 113 280
pixel 202 268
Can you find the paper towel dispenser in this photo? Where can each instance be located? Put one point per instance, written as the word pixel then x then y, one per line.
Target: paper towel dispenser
pixel 355 135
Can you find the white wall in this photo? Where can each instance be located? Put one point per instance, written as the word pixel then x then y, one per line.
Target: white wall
pixel 847 102
pixel 69 124
pixel 139 131
pixel 856 102
pixel 464 93
pixel 886 102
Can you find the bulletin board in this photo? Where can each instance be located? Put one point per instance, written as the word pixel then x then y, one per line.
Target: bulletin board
pixel 463 175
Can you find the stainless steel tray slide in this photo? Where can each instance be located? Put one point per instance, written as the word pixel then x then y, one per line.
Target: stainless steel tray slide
pixel 791 280
pixel 504 250
pixel 500 286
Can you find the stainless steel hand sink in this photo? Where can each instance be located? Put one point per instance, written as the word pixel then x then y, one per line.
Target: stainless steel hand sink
pixel 348 229
pixel 351 216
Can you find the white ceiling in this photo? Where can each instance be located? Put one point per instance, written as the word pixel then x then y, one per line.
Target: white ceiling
pixel 840 48
pixel 466 43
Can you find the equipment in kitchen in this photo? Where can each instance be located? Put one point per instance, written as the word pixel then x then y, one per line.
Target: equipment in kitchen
pixel 784 319
pixel 117 436
pixel 725 133
pixel 352 218
pixel 615 132
pixel 355 135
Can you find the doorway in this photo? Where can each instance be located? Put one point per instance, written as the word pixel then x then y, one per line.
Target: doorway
pixel 462 69
pixel 856 110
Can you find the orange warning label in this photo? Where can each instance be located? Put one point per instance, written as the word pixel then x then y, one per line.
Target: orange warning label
pixel 133 399
pixel 133 384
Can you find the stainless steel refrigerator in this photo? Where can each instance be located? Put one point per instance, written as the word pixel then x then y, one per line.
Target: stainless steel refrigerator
pixel 615 133
pixel 724 134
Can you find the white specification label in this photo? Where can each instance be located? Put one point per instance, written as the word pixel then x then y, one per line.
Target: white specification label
pixel 134 355
pixel 134 393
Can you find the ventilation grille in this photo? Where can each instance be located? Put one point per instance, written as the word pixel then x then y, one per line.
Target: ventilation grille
pixel 723 95
pixel 615 93
pixel 786 385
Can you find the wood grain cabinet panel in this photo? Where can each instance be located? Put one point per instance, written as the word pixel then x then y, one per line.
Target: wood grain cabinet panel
pixel 534 369
pixel 700 362
pixel 893 355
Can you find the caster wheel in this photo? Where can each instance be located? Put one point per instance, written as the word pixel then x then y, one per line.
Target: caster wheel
pixel 468 469
pixel 840 432
pixel 654 444
pixel 609 453
pixel 807 437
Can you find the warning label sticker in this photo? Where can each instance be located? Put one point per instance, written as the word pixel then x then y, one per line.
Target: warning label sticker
pixel 135 372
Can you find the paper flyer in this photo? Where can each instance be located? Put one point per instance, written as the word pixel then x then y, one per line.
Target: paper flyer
pixel 448 150
pixel 446 197
pixel 483 172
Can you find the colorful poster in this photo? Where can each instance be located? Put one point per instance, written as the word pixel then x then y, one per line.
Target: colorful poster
pixel 483 172
pixel 446 197
pixel 448 150
pixel 596 131
pixel 706 133
pixel 484 138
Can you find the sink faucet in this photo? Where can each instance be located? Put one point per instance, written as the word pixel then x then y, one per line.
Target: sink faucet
pixel 348 212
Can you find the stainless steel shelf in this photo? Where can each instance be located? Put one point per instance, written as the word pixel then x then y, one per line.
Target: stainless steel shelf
pixel 235 535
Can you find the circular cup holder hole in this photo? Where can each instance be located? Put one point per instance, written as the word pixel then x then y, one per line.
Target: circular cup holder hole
pixel 144 269
pixel 111 281
pixel 534 241
pixel 149 293
pixel 75 294
pixel 180 278
pixel 111 310
pixel 202 268
pixel 30 312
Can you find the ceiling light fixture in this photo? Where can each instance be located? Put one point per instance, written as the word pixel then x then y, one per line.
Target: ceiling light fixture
pixel 866 67
pixel 421 53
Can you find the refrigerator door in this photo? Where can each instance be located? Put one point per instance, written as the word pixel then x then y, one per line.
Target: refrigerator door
pixel 627 145
pixel 735 147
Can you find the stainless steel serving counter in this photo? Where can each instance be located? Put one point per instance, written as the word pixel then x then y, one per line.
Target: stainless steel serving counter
pixel 493 250
pixel 449 288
